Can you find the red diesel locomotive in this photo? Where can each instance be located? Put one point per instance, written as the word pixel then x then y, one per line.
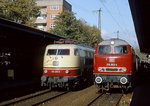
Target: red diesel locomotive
pixel 115 63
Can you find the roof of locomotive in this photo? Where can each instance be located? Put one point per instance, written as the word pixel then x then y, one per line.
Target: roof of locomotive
pixel 114 41
pixel 69 45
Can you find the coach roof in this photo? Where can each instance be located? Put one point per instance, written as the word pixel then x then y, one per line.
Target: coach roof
pixel 114 41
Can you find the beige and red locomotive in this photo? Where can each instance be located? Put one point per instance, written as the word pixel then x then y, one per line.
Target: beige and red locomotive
pixel 115 63
pixel 66 64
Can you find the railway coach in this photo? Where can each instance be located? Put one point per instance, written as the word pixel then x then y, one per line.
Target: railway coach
pixel 115 63
pixel 67 64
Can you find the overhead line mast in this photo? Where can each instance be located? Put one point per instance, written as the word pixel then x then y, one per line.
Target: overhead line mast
pixel 99 19
pixel 117 34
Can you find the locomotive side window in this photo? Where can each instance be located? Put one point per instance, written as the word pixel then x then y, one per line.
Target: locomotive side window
pixel 82 53
pixel 76 52
pixel 51 51
pixel 104 50
pixel 91 55
pixel 86 54
pixel 120 50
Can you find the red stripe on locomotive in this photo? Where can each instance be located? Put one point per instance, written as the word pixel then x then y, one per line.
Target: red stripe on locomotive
pixel 61 71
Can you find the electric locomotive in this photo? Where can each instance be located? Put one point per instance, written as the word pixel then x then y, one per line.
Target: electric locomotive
pixel 115 63
pixel 67 64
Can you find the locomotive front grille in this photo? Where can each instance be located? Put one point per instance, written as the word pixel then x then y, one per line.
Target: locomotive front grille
pixel 112 69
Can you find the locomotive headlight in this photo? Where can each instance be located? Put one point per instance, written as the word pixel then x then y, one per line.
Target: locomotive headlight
pixel 112 42
pixel 43 78
pixel 67 71
pixel 101 69
pixel 124 69
pixel 123 80
pixel 45 71
pixel 98 80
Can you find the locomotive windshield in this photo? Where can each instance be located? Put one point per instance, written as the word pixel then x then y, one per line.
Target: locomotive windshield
pixel 51 52
pixel 58 52
pixel 120 50
pixel 104 50
pixel 113 50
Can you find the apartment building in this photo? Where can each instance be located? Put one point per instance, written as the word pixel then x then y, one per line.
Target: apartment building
pixel 49 10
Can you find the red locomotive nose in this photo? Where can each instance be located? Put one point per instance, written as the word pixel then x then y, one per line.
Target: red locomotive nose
pixel 114 63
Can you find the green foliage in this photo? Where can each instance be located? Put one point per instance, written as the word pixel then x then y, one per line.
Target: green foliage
pixel 20 11
pixel 65 25
pixel 69 27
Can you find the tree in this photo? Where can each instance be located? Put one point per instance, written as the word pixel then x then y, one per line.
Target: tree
pixel 91 35
pixel 65 25
pixel 20 11
pixel 68 26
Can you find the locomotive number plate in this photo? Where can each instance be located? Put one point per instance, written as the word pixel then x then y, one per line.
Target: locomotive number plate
pixel 111 64
pixel 55 71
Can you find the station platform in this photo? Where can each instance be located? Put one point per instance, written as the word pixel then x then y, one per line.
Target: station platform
pixel 141 93
pixel 13 84
pixel 11 89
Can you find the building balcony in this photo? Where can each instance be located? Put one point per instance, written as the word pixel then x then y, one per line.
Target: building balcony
pixel 39 21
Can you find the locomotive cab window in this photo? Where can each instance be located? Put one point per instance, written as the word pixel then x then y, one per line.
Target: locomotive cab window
pixel 58 52
pixel 104 50
pixel 63 52
pixel 120 50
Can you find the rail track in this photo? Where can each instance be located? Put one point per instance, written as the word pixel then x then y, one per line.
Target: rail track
pixel 106 100
pixel 33 99
pixel 86 97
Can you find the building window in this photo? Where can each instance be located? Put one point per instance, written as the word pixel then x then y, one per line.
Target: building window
pixel 52 25
pixel 54 7
pixel 53 16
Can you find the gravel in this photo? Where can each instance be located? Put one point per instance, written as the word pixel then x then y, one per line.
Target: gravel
pixel 76 98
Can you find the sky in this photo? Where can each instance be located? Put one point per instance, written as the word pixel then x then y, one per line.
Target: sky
pixel 115 16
